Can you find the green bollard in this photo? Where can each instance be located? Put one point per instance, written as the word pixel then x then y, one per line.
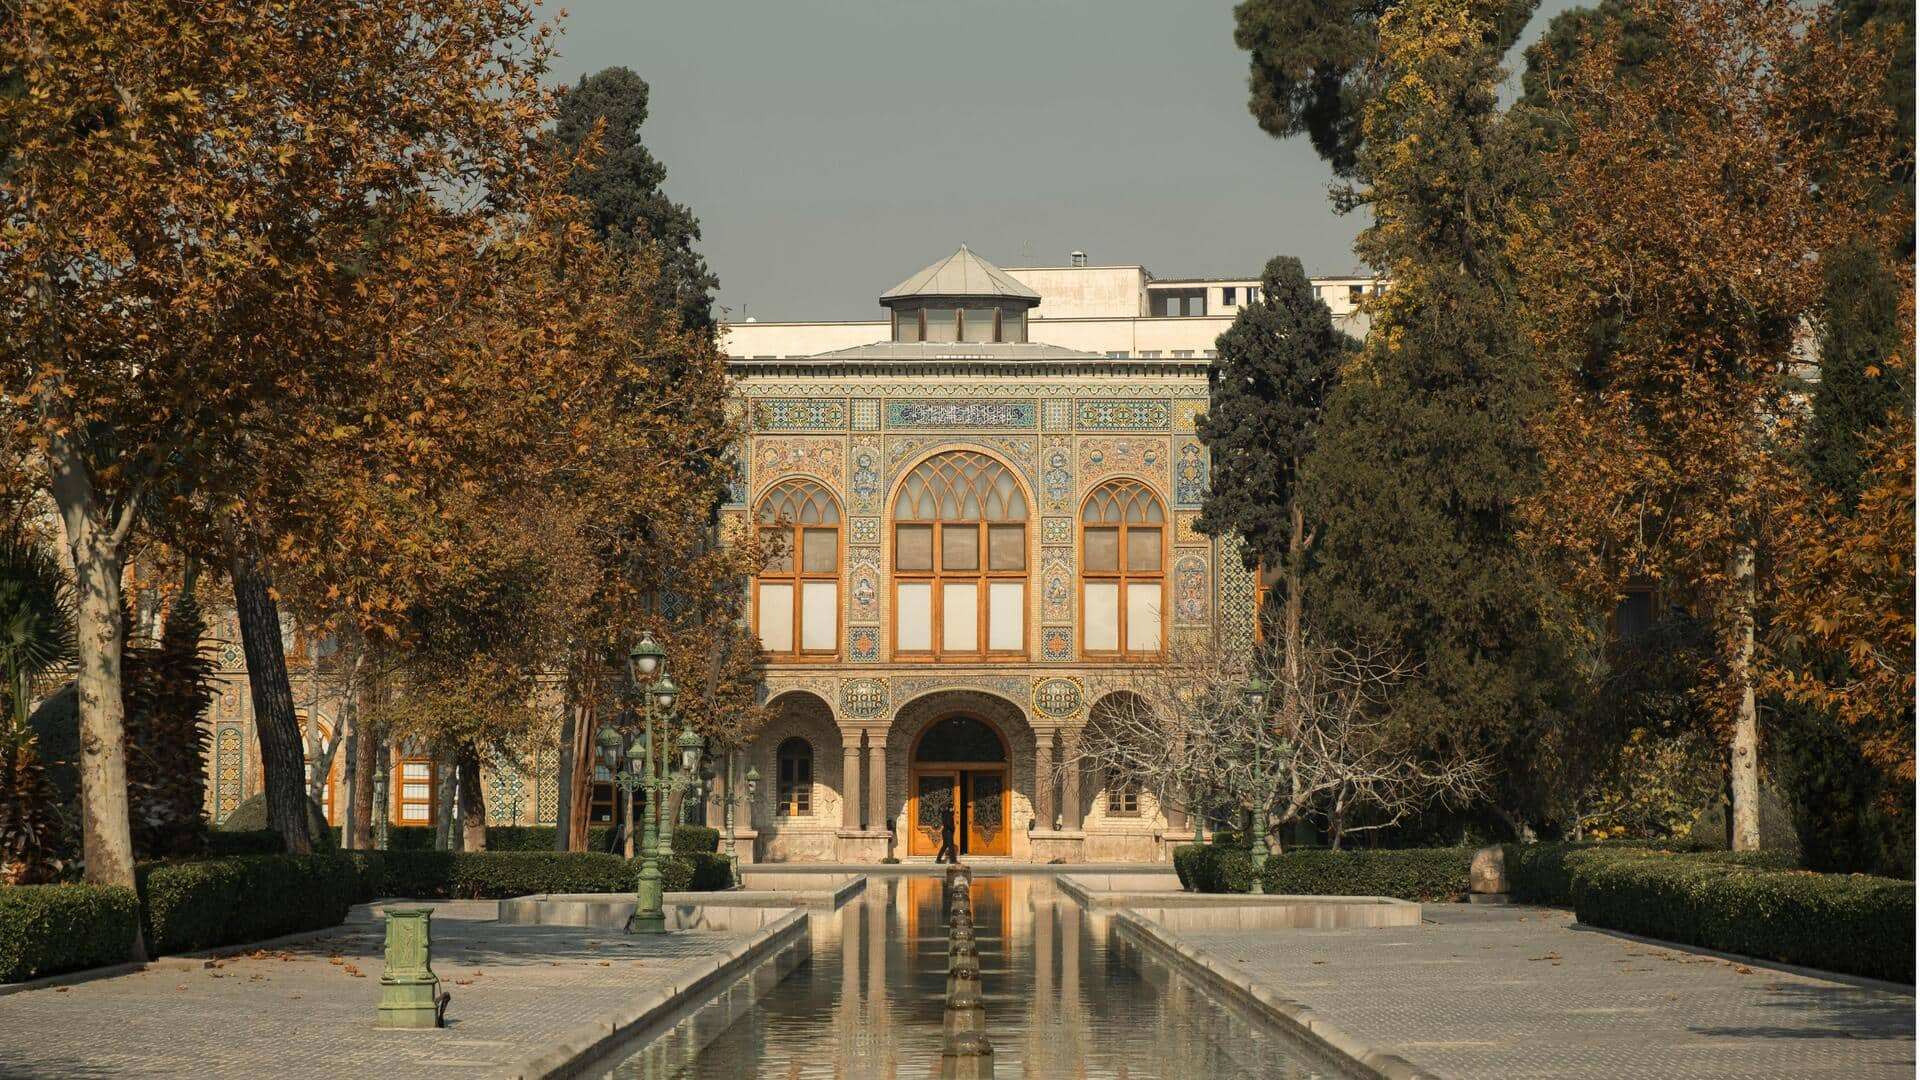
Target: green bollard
pixel 410 994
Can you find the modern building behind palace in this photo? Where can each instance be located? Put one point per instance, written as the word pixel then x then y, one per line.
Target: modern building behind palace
pixel 989 494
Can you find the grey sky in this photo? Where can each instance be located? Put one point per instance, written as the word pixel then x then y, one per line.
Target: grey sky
pixel 832 147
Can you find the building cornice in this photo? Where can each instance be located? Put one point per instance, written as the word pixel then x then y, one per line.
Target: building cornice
pixel 961 367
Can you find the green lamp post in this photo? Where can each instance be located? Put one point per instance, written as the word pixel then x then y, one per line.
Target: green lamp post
pixel 1255 696
pixel 646 667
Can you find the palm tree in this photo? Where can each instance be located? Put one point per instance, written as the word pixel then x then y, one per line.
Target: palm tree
pixel 36 635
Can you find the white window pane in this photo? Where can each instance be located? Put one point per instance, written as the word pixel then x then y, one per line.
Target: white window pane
pixel 413 812
pixel 416 791
pixel 819 611
pixel 416 770
pixel 1103 549
pixel 1143 618
pixel 1102 616
pixel 913 620
pixel 1006 611
pixel 822 550
pixel 960 629
pixel 776 618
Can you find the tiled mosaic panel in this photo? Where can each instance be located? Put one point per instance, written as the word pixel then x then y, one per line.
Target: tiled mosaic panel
pixel 1190 474
pixel 1122 415
pixel 962 414
pixel 1057 699
pixel 803 414
pixel 866 414
pixel 229 772
pixel 1056 642
pixel 1190 604
pixel 1186 415
pixel 863 699
pixel 775 459
pixel 863 644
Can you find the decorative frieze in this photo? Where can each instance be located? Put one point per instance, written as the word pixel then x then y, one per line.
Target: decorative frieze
pixel 863 699
pixel 1190 474
pixel 799 414
pixel 1056 698
pixel 1106 414
pixel 962 414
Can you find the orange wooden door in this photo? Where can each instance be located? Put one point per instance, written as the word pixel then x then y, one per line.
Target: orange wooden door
pixel 933 792
pixel 987 831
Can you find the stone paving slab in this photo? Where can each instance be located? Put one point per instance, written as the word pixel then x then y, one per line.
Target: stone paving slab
pixel 295 1012
pixel 1500 992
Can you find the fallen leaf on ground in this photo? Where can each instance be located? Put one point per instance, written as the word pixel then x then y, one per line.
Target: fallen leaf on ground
pixel 1743 969
pixel 604 963
pixel 182 986
pixel 60 989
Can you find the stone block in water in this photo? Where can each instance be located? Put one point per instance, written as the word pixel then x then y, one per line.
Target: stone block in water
pixel 967 1055
pixel 965 1012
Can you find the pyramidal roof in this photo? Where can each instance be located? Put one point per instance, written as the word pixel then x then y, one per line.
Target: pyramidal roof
pixel 961 274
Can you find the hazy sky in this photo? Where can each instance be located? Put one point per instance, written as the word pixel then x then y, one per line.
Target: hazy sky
pixel 833 147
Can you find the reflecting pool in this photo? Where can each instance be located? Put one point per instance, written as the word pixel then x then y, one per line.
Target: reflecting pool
pixel 1062 1000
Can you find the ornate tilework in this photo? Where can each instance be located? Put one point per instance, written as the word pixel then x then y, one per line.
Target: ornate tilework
pixel 863 594
pixel 863 699
pixel 1190 590
pixel 906 688
pixel 1057 699
pixel 733 525
pixel 1017 449
pixel 1056 643
pixel 1056 477
pixel 962 414
pixel 1056 530
pixel 775 458
pixel 1184 531
pixel 863 644
pixel 863 530
pixel 1232 596
pixel 1056 414
pixel 789 414
pixel 1143 455
pixel 506 790
pixel 546 788
pixel 229 772
pixel 1186 415
pixel 736 466
pixel 1190 475
pixel 1056 584
pixel 864 490
pixel 1124 415
pixel 866 414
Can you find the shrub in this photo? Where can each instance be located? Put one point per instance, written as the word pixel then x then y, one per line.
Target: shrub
pixel 220 844
pixel 1850 923
pixel 1216 868
pixel 187 906
pixel 688 839
pixel 46 929
pixel 1540 873
pixel 251 816
pixel 1183 857
pixel 1436 874
pixel 497 875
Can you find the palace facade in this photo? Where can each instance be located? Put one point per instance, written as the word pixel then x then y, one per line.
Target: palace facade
pixel 988 498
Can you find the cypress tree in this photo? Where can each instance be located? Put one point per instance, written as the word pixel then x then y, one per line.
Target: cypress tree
pixel 1425 451
pixel 1269 384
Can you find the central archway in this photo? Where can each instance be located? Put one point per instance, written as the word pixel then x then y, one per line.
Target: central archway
pixel 960 764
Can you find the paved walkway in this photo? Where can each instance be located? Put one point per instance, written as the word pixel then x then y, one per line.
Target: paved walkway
pixel 307 1010
pixel 1503 992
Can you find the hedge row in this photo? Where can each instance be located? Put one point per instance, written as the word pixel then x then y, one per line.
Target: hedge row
pixel 495 875
pixel 187 906
pixel 47 929
pixel 1541 874
pixel 1405 873
pixel 1838 922
pixel 687 839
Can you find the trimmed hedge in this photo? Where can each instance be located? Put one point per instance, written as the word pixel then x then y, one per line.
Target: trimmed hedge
pixel 1431 874
pixel 693 839
pixel 47 929
pixel 1215 868
pixel 1838 922
pixel 220 844
pixel 187 906
pixel 497 875
pixel 1540 873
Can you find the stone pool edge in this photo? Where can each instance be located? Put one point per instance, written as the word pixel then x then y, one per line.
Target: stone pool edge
pixel 1251 993
pixel 584 1044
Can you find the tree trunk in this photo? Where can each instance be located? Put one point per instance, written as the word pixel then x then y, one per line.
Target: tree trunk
pixel 443 835
pixel 365 761
pixel 1290 620
pixel 473 804
pixel 583 743
pixel 281 765
pixel 564 757
pixel 106 833
pixel 1746 720
pixel 350 805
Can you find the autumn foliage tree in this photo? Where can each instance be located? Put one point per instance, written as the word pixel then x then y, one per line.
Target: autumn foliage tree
pixel 1668 292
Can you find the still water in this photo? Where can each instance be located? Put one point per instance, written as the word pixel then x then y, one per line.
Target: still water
pixel 1062 1000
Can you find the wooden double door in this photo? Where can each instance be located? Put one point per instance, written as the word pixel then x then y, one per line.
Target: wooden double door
pixel 978 797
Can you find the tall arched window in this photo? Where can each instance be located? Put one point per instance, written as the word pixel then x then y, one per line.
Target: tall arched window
pixel 960 559
pixel 796 778
pixel 1123 584
pixel 797 597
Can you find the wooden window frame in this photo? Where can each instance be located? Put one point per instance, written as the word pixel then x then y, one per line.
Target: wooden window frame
pixel 798 576
pixel 1122 576
pixel 1119 789
pixel 399 794
pixel 784 805
pixel 981 578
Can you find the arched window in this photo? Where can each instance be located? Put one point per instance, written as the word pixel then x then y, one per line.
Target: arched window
pixel 796 778
pixel 1123 582
pixel 960 559
pixel 797 597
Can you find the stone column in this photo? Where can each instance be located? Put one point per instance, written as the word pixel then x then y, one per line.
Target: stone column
pixel 716 815
pixel 876 780
pixel 850 782
pixel 1070 788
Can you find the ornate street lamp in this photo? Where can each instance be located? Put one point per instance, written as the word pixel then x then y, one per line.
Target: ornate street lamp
pixel 643 770
pixel 1255 696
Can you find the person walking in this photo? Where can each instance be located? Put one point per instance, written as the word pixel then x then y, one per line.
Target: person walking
pixel 948 853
